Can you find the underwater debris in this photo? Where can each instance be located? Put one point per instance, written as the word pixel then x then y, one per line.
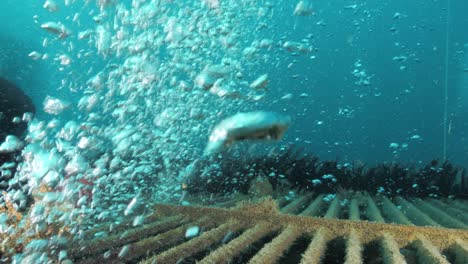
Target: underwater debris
pixel 303 8
pixel 207 78
pixel 50 6
pixel 29 233
pixel 221 89
pixel 103 40
pixel 288 96
pixel 247 126
pixel 85 34
pixel 56 28
pixel 64 59
pixel 213 4
pixel 192 231
pixel 11 144
pixel 54 106
pixel 260 83
pixel 35 55
pixel 295 47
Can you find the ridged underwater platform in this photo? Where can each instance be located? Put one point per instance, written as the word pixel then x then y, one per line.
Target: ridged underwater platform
pixel 351 228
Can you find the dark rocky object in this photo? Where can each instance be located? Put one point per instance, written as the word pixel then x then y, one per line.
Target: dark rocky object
pixel 13 103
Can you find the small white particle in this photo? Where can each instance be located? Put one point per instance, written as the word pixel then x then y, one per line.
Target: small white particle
pixel 192 232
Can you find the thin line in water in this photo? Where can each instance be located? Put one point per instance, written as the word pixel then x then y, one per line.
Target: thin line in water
pixel 447 23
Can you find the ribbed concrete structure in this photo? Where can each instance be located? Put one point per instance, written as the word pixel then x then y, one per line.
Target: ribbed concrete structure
pixel 351 228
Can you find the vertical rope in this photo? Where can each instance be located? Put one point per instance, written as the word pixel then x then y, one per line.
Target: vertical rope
pixel 447 23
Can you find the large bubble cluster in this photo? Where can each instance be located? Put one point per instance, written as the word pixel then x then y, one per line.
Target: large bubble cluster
pixel 141 86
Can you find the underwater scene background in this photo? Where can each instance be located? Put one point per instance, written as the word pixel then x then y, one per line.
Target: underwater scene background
pixel 399 46
pixel 137 102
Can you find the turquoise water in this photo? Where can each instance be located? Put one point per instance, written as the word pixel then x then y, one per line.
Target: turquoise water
pixel 398 104
pixel 130 93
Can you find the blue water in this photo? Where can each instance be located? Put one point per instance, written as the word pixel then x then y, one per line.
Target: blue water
pixel 367 86
pixel 398 104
